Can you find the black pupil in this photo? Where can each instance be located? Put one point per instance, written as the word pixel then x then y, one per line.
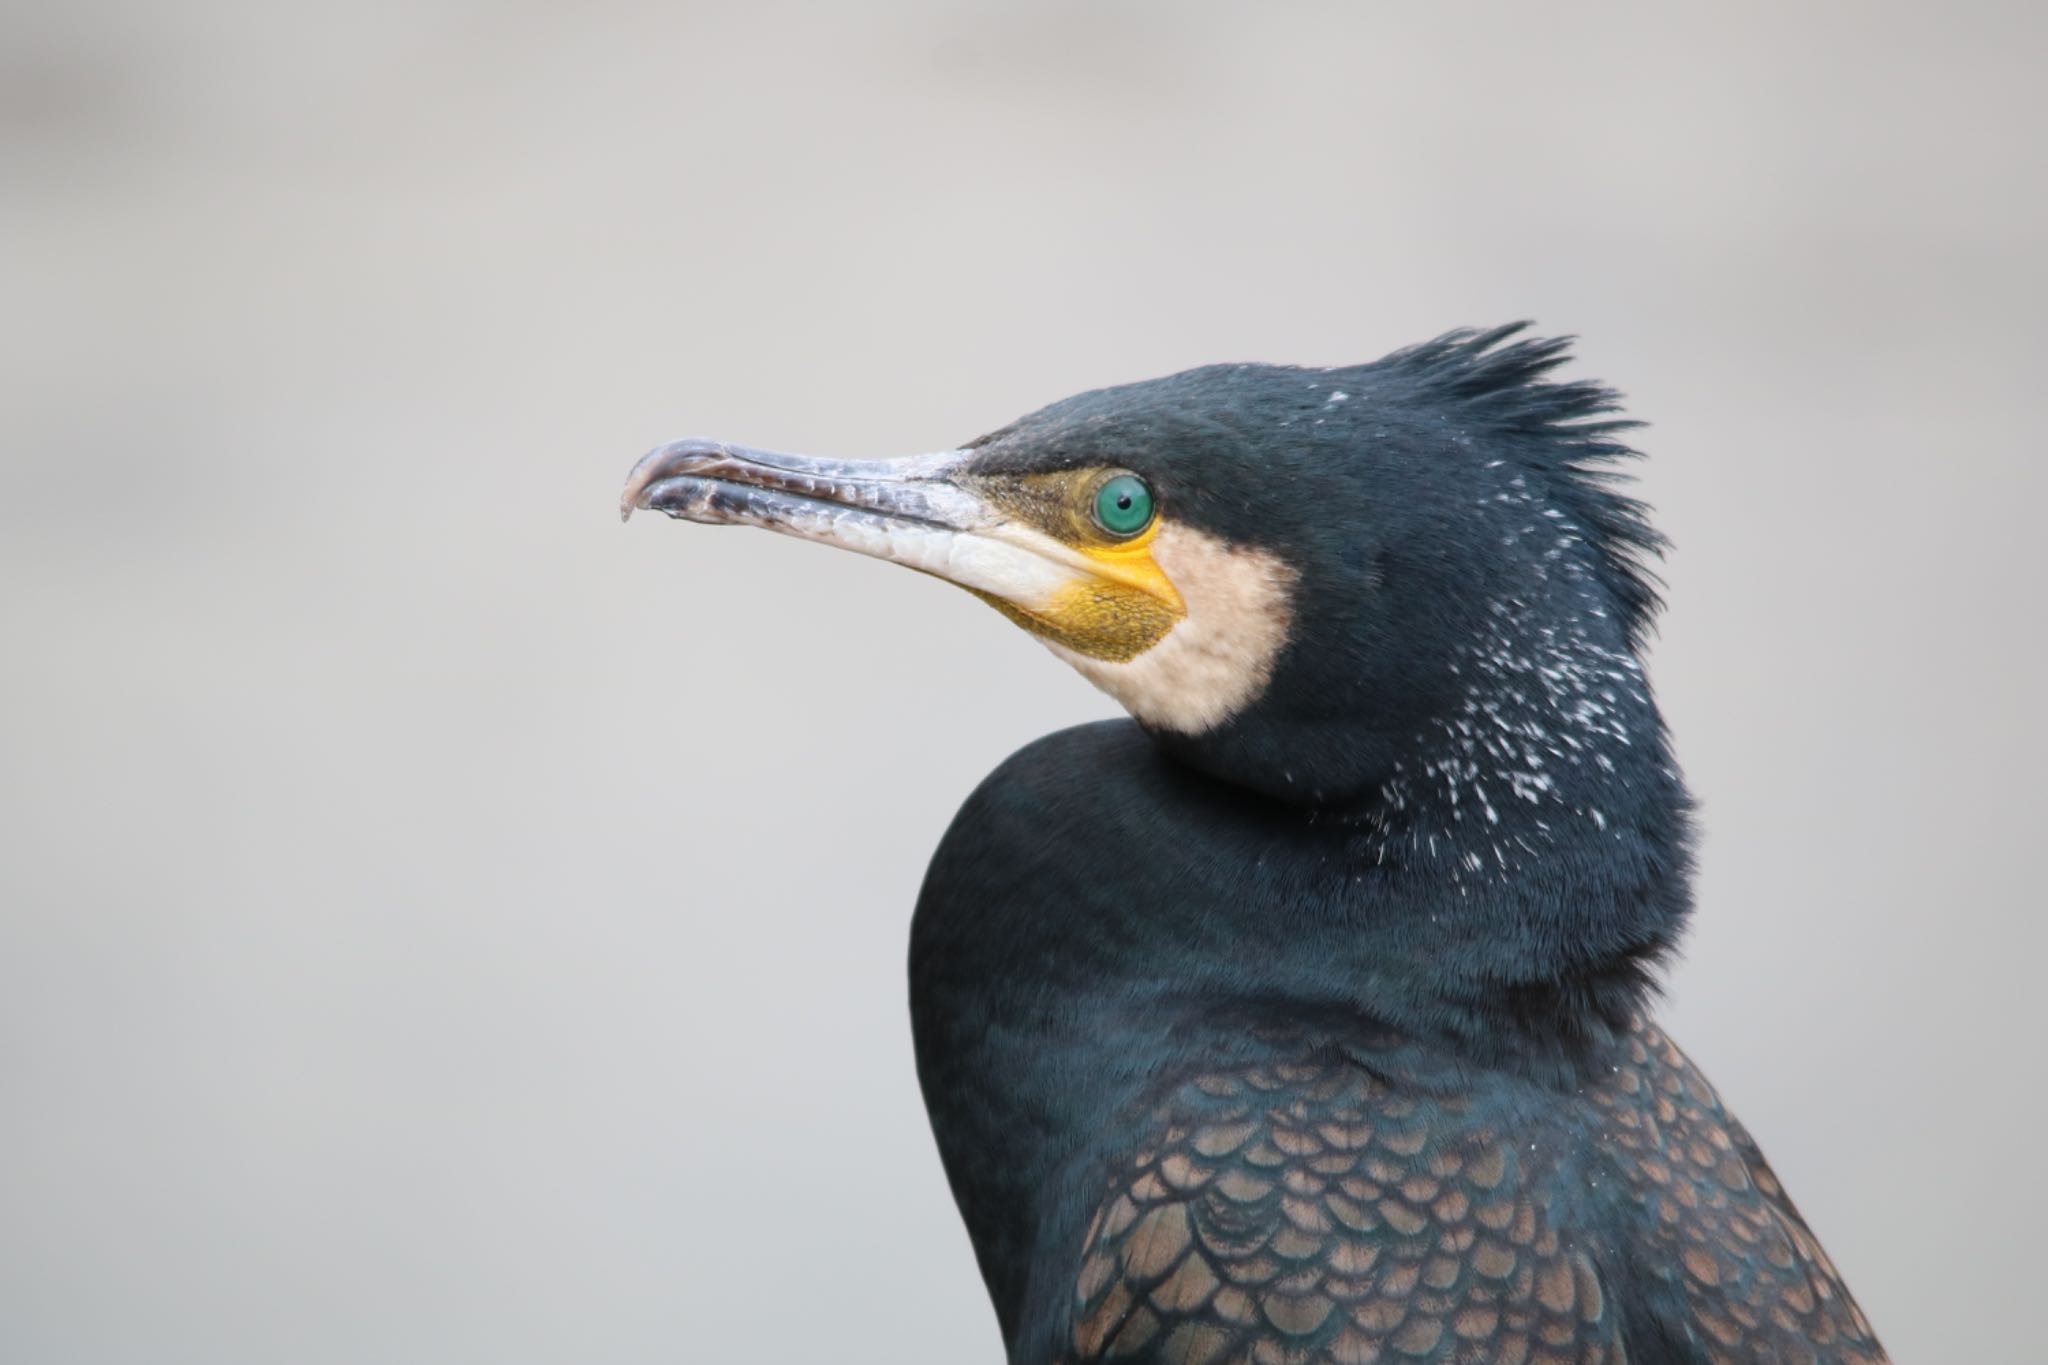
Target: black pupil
pixel 1123 501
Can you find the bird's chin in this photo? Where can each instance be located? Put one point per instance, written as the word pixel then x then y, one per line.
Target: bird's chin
pixel 1215 658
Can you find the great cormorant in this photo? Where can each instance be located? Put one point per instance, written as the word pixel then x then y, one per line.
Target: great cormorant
pixel 1305 1017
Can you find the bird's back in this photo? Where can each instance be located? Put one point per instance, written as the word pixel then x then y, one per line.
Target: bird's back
pixel 1353 1202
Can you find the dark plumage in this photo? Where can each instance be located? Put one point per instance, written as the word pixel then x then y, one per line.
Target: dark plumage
pixel 1308 1019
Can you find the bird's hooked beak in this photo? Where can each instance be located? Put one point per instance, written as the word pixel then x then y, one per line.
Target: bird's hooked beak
pixel 998 538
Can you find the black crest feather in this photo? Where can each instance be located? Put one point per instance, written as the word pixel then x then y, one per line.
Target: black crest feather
pixel 1564 430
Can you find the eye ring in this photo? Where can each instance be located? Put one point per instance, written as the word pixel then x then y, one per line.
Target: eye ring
pixel 1123 505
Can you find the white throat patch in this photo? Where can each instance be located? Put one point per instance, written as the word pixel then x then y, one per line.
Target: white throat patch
pixel 1219 658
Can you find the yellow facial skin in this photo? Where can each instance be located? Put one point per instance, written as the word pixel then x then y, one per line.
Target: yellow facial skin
pixel 1122 603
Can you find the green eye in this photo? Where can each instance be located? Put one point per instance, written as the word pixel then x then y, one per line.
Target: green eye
pixel 1123 506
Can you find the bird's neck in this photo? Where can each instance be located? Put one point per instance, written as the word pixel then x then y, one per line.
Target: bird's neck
pixel 1101 918
pixel 1541 822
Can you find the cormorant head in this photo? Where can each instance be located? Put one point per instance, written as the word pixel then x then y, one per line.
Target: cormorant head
pixel 1294 579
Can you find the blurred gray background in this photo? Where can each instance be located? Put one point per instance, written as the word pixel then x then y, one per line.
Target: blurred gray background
pixel 407 954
